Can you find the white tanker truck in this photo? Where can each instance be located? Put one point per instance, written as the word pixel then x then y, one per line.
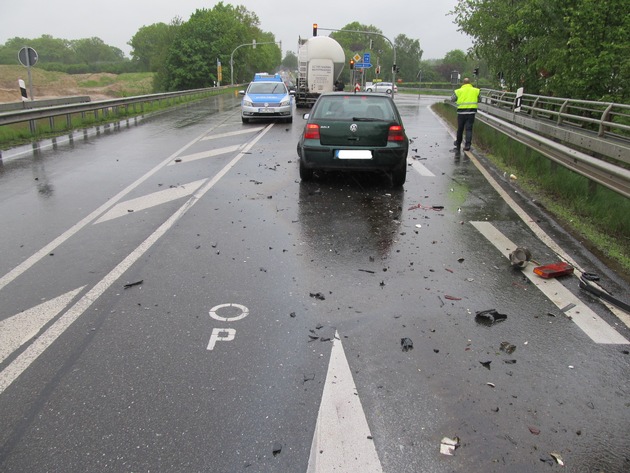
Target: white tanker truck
pixel 320 62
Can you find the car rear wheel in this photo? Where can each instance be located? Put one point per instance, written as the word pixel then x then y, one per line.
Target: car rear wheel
pixel 305 173
pixel 399 174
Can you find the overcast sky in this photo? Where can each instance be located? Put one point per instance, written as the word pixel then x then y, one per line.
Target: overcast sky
pixel 116 21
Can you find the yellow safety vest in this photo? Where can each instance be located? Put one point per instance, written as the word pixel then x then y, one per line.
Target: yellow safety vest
pixel 467 97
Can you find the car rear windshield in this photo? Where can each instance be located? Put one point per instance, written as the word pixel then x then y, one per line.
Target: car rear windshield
pixel 267 88
pixel 348 107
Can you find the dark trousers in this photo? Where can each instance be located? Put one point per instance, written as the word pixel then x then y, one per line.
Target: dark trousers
pixel 464 122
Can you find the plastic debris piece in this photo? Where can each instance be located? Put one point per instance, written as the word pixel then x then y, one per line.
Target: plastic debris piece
pixel 406 344
pixel 277 448
pixel 534 430
pixel 131 284
pixel 491 385
pixel 508 347
pixel 448 446
pixel 489 317
pixel 318 296
pixel 519 257
pixel 557 458
pixel 452 298
pixel 553 270
pixel 486 364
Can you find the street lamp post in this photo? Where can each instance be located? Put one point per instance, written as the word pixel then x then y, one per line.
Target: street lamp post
pixel 253 44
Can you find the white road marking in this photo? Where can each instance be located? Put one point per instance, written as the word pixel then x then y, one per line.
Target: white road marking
pixel 244 312
pixel 421 168
pixel 151 200
pixel 205 154
pixel 540 233
pixel 342 440
pixel 221 335
pixel 30 354
pixel 591 323
pixel 20 328
pixel 233 133
pixel 46 250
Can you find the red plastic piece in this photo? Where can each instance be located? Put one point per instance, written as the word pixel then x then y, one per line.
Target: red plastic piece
pixel 554 270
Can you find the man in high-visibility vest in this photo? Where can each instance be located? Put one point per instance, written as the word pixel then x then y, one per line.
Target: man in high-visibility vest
pixel 467 98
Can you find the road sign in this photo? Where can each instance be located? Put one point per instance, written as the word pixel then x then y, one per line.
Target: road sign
pixel 362 65
pixel 356 58
pixel 27 56
pixel 366 58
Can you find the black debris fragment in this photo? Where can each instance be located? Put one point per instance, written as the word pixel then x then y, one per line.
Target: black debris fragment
pixel 277 448
pixel 308 377
pixel 489 317
pixel 318 295
pixel 131 284
pixel 486 364
pixel 406 344
pixel 292 315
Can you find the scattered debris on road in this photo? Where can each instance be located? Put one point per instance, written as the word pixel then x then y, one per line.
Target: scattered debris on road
pixel 507 347
pixel 489 317
pixel 448 445
pixel 131 284
pixel 519 257
pixel 406 344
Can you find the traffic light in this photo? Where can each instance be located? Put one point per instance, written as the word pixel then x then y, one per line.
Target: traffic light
pixel 351 63
pixel 314 29
pixel 378 70
pixel 476 71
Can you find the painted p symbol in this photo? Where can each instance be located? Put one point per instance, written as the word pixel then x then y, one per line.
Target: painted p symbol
pixel 221 334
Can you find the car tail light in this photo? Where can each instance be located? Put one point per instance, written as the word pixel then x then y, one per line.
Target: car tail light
pixel 396 133
pixel 311 132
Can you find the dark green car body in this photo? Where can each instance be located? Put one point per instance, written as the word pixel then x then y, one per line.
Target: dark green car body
pixel 354 132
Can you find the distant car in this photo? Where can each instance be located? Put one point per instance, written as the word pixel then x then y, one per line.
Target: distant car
pixel 381 87
pixel 267 99
pixel 354 132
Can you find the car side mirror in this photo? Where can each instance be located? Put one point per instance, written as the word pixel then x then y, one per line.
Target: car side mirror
pixel 305 116
pixel 241 92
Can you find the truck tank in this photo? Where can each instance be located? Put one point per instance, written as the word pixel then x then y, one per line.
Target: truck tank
pixel 320 62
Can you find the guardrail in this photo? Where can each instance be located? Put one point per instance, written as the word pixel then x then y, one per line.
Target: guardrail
pixel 590 138
pixel 102 107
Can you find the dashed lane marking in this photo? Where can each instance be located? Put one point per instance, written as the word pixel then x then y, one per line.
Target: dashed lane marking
pixel 233 133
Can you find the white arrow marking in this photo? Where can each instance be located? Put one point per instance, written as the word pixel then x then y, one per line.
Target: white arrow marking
pixel 233 133
pixel 591 323
pixel 30 354
pixel 151 200
pixel 20 328
pixel 205 154
pixel 341 440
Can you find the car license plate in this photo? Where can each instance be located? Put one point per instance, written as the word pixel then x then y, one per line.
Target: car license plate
pixel 265 110
pixel 353 154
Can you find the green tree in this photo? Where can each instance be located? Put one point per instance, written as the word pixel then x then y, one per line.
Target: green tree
pixel 408 57
pixel 211 35
pixel 94 51
pixel 151 43
pixel 290 61
pixel 571 48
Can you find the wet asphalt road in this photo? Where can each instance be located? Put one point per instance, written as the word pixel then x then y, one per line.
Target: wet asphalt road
pixel 210 215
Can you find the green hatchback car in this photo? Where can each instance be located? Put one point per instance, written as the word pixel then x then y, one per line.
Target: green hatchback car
pixel 354 132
